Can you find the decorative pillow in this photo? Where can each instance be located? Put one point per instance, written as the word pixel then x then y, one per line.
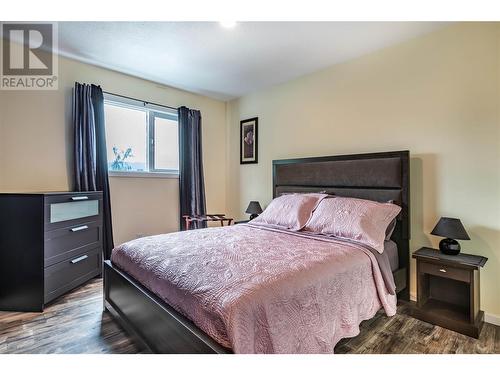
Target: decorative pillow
pixel 355 219
pixel 289 211
pixel 311 192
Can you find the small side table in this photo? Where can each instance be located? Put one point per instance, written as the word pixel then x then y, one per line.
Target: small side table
pixel 241 221
pixel 205 218
pixel 448 290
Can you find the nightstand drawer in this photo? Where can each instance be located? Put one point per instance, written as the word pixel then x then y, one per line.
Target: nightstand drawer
pixel 448 272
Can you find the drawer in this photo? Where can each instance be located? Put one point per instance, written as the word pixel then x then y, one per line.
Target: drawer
pixel 74 196
pixel 71 209
pixel 65 243
pixel 64 276
pixel 448 272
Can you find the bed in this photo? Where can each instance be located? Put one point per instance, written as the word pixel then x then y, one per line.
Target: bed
pixel 136 300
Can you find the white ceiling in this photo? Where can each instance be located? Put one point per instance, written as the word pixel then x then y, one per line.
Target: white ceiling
pixel 205 58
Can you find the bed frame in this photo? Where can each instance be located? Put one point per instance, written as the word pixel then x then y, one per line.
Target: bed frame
pixel 377 176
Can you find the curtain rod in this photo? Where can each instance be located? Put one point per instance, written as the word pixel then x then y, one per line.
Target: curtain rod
pixel 139 100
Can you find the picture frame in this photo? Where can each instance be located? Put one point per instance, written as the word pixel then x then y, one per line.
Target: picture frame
pixel 249 145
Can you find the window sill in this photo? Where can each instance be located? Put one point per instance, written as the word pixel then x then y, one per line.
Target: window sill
pixel 144 174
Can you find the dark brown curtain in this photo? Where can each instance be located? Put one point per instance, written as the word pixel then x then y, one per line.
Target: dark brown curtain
pixel 191 183
pixel 91 164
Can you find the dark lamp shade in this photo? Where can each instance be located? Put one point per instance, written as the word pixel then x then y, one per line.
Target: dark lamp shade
pixel 450 228
pixel 254 208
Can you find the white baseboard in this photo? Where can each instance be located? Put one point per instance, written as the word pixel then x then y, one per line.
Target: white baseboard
pixel 492 319
pixel 488 318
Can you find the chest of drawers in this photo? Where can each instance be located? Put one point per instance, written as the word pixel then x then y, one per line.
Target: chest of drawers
pixel 50 243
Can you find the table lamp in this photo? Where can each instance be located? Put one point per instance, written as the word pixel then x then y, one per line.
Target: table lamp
pixel 453 230
pixel 254 209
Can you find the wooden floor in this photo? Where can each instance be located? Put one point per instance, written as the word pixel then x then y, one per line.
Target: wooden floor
pixel 76 323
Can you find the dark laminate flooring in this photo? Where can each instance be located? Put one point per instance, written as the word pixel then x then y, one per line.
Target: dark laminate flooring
pixel 76 323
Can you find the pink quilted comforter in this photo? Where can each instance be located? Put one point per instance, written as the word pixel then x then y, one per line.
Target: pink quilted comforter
pixel 261 291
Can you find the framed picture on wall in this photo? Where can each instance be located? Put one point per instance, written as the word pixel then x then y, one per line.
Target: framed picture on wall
pixel 249 141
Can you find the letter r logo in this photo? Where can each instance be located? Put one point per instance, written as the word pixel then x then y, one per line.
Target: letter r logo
pixel 27 49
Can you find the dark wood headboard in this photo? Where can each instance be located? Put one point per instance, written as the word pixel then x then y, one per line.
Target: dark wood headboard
pixel 379 176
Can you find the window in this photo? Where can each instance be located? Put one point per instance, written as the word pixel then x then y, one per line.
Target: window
pixel 141 138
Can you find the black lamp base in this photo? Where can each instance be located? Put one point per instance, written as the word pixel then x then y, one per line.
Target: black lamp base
pixel 253 216
pixel 449 246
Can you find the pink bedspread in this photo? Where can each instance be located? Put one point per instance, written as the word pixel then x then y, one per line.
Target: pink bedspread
pixel 261 291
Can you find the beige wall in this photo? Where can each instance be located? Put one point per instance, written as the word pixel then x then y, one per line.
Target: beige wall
pixel 437 96
pixel 36 148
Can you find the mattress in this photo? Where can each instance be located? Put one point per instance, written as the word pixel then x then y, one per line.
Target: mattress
pixel 391 249
pixel 256 290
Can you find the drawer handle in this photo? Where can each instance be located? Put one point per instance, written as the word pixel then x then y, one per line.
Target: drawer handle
pixel 79 259
pixel 442 270
pixel 77 229
pixel 82 198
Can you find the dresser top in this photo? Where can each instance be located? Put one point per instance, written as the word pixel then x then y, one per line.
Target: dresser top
pixel 50 192
pixel 465 259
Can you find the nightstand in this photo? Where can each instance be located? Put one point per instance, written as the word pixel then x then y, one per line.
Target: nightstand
pixel 241 221
pixel 448 290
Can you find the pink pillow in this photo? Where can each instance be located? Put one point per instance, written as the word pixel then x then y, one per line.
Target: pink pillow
pixel 290 211
pixel 355 219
